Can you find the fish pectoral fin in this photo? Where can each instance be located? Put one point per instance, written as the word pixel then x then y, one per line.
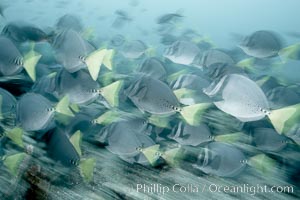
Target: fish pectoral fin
pixel 63 107
pixel 94 62
pixel 16 136
pixel 75 139
pixel 86 168
pixel 12 162
pixel 192 114
pixel 111 92
pixel 30 61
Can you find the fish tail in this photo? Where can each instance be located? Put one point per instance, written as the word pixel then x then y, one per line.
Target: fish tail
pixel 192 114
pixel 86 168
pixel 30 61
pixel 285 118
pixel 111 92
pixel 63 107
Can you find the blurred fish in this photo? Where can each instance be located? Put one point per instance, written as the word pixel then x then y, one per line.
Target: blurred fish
pixel 61 149
pixel 35 112
pixel 169 18
pixel 7 107
pixel 262 44
pixel 121 19
pixel 134 3
pixel 221 159
pixel 282 96
pixel 69 21
pixel 185 134
pixel 182 52
pixel 12 62
pixel 215 56
pixel 21 32
pixel 267 139
pixel 2 9
pixel 240 97
pixel 75 53
pixel 152 95
pixel 126 138
pixel 134 49
pixel 117 40
pixel 168 39
pixel 189 89
pixel 153 67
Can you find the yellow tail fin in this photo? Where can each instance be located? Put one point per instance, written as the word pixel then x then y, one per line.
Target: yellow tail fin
pixel 75 139
pixel 30 61
pixel 13 162
pixel 283 118
pixel 16 136
pixel 94 62
pixel 86 167
pixel 111 92
pixel 107 61
pixel 192 114
pixel 63 107
pixel 152 153
pixel 262 163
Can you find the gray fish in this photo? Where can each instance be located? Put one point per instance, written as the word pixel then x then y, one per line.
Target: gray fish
pixel 169 18
pixel 126 138
pixel 262 44
pixel 69 22
pixel 215 56
pixel 152 95
pixel 240 97
pixel 79 86
pixel 34 112
pixel 123 14
pixel 153 67
pixel 221 159
pixel 21 32
pixel 71 50
pixel 168 39
pixel 11 60
pixel 186 134
pixel 268 139
pixel 61 149
pixel 194 83
pixel 282 96
pixel 7 106
pixel 134 49
pixel 117 40
pixel 182 52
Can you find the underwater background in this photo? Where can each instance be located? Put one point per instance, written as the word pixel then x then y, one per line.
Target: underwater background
pixel 133 99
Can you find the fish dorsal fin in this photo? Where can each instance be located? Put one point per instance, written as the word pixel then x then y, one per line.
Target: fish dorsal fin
pixel 16 136
pixel 107 60
pixel 75 139
pixel 94 62
pixel 63 107
pixel 86 167
pixel 192 114
pixel 13 162
pixel 111 92
pixel 30 61
pixel 151 153
pixel 280 116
